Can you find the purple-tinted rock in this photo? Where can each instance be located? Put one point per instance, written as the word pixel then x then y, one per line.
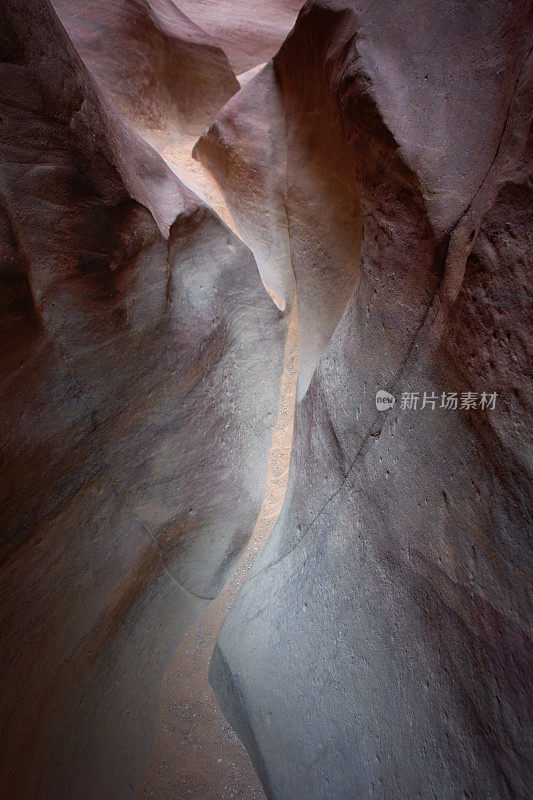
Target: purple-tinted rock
pixel 139 379
pixel 166 75
pixel 381 645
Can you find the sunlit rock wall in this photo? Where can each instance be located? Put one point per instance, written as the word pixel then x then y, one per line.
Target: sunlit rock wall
pixel 380 647
pixel 166 75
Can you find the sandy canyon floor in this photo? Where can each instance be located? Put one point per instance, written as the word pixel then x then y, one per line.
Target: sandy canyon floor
pixel 197 755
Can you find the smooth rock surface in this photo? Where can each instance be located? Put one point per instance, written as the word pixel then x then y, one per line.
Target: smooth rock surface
pixel 278 154
pixel 246 151
pixel 165 74
pixel 139 385
pixel 381 645
pixel 249 31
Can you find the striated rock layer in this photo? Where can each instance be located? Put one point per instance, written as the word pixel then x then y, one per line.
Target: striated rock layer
pixel 139 386
pixel 381 646
pixel 166 75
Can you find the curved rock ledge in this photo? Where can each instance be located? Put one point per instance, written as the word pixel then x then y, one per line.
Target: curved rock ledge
pixel 166 75
pixel 250 31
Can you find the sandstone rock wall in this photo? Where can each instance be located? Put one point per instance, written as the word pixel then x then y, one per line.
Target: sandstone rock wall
pixel 250 31
pixel 166 75
pixel 139 378
pixel 381 646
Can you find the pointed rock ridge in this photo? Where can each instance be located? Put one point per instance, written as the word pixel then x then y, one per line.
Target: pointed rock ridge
pixel 139 385
pixel 250 31
pixel 381 645
pixel 286 175
pixel 166 75
pixel 246 151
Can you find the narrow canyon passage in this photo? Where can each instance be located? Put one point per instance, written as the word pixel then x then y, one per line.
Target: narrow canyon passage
pixel 265 392
pixel 197 754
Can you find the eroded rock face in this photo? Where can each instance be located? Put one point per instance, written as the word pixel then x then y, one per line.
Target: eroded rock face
pixel 165 74
pixel 277 151
pixel 249 31
pixel 138 383
pixel 246 151
pixel 381 645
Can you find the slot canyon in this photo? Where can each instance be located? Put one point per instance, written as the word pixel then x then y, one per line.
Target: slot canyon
pixel 265 445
